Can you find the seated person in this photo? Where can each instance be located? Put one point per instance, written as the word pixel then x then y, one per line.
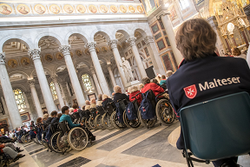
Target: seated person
pixel 196 41
pixel 10 152
pixel 169 73
pixel 99 100
pixel 53 121
pixel 75 107
pixel 141 86
pixel 119 95
pixel 87 106
pixel 155 81
pixel 39 123
pixel 71 111
pixel 163 80
pixel 65 117
pixel 32 130
pixel 106 101
pixel 134 90
pixel 92 103
pixel 153 86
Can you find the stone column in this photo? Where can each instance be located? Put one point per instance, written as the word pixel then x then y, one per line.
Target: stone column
pixel 98 68
pixel 64 96
pixel 35 98
pixel 58 91
pixel 111 74
pixel 171 35
pixel 118 61
pixel 142 71
pixel 65 49
pixel 99 90
pixel 8 94
pixel 47 96
pixel 156 60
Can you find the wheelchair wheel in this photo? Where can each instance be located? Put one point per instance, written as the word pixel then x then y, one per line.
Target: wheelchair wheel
pixel 35 140
pixel 165 112
pixel 91 122
pixel 53 142
pixel 106 121
pixel 78 138
pixel 98 122
pixel 26 138
pixel 114 121
pixel 149 123
pixel 62 142
pixel 131 123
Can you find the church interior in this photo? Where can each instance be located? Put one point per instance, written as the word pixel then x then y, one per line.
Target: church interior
pixel 60 53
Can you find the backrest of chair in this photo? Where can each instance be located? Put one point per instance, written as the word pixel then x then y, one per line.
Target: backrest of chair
pixel 64 126
pixel 109 108
pixel 122 104
pixel 217 128
pixel 100 110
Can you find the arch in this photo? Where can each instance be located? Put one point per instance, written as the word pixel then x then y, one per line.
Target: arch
pixel 80 34
pixel 124 32
pixel 85 62
pixel 106 34
pixel 19 86
pixel 15 38
pixel 141 31
pixel 33 73
pixel 48 34
pixel 18 72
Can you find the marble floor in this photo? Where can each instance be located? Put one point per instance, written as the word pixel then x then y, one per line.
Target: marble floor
pixel 139 147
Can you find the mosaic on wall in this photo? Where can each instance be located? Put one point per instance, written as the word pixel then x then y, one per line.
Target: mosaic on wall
pixel 43 9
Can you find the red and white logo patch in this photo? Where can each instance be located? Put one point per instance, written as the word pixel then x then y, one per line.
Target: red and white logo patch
pixel 128 110
pixel 143 109
pixel 190 91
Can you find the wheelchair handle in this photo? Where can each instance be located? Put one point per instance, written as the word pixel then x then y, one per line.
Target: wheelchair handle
pixel 135 95
pixel 160 94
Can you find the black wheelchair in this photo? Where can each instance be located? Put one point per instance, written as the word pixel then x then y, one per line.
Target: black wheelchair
pixel 116 118
pixel 106 122
pixel 26 138
pixel 98 118
pixel 75 138
pixel 84 117
pixel 91 121
pixel 5 160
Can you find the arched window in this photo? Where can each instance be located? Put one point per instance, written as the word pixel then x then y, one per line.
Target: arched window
pixel 86 81
pixel 19 99
pixel 53 90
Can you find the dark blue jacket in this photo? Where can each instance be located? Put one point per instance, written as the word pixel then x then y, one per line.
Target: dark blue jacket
pixel 207 78
pixel 120 96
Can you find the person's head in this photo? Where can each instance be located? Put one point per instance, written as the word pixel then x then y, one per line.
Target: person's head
pixel 169 73
pixel 75 106
pixel 83 107
pixel 4 7
pixel 104 96
pixel 145 80
pixel 155 81
pixel 99 97
pixel 53 113
pixel 117 89
pixel 195 38
pixel 92 101
pixel 87 102
pixel 141 86
pixel 129 89
pixel 65 110
pixel 59 115
pixel 236 51
pixel 134 88
pixel 163 77
pixel 45 112
pixel 71 110
pixel 39 120
pixel 32 122
pixel 45 116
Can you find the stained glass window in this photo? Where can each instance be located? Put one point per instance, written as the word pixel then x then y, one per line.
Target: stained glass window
pixel 86 81
pixel 53 90
pixel 19 99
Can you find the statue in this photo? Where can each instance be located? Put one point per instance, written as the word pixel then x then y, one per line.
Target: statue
pixel 127 70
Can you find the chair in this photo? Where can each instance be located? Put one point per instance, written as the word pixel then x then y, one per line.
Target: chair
pixel 217 128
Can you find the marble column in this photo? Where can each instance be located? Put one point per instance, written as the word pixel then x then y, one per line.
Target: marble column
pixel 118 60
pixel 47 96
pixel 111 74
pixel 64 95
pixel 35 98
pixel 156 60
pixel 8 94
pixel 58 91
pixel 164 16
pixel 99 91
pixel 139 63
pixel 98 68
pixel 65 49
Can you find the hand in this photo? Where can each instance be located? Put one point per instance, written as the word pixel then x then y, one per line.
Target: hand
pixel 81 124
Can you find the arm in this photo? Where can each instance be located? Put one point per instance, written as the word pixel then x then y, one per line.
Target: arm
pixel 71 125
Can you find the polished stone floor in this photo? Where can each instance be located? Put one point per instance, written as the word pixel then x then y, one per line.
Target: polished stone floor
pixel 139 147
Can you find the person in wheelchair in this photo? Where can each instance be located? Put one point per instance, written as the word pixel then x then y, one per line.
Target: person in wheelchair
pixel 92 103
pixel 119 95
pixel 134 94
pixel 87 107
pixel 151 86
pixel 10 152
pixel 32 130
pixel 202 75
pixel 51 123
pixel 65 117
pixel 106 101
pixel 99 100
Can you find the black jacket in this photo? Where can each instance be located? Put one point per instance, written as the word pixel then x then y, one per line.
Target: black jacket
pixel 120 96
pixel 207 78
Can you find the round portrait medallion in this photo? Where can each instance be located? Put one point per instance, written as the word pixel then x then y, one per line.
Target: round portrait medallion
pixel 103 9
pixel 68 8
pixel 113 8
pixel 12 63
pixel 48 57
pixel 23 9
pixel 81 9
pixel 54 9
pixel 25 61
pixel 92 8
pixel 59 56
pixel 40 9
pixel 123 9
pixel 5 9
pixel 139 8
pixel 131 9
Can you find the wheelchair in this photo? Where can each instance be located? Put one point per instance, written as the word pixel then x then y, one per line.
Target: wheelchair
pixel 109 109
pixel 26 138
pixel 75 138
pixel 5 160
pixel 116 118
pixel 98 118
pixel 76 118
pixel 135 123
pixel 85 115
pixel 91 121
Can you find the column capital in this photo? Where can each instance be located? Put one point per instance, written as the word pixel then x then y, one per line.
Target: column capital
pixel 91 46
pixel 149 39
pixel 113 43
pixel 2 58
pixel 31 82
pixel 162 13
pixel 54 77
pixel 34 54
pixel 131 41
pixel 65 49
